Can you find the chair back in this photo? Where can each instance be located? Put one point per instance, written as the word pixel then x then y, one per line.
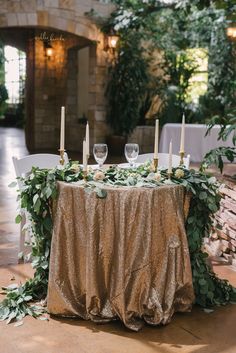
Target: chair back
pixel 163 159
pixel 41 160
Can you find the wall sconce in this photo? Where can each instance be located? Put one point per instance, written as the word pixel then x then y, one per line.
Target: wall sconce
pixel 231 32
pixel 111 42
pixel 48 49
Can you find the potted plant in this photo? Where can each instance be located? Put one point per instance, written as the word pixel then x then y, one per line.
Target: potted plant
pixel 3 98
pixel 125 92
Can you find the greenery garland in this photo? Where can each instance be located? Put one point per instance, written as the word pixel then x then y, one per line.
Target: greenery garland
pixel 40 188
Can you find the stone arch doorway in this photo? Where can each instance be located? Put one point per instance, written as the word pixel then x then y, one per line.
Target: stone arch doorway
pixel 73 70
pixel 56 81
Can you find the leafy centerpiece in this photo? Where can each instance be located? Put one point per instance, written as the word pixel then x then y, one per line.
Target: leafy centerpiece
pixel 40 189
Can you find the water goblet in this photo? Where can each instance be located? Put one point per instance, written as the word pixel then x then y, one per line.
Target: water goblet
pixel 131 153
pixel 100 152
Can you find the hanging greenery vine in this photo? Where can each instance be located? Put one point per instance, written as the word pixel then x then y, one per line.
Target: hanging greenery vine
pixel 40 189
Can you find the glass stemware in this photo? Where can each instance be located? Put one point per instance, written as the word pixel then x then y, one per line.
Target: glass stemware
pixel 100 151
pixel 131 153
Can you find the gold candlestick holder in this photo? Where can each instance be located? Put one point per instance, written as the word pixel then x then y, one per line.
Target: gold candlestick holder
pixel 62 159
pixel 155 163
pixel 181 158
pixel 85 174
pixel 169 175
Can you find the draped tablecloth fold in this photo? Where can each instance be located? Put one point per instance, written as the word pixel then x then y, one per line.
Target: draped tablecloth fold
pixel 125 256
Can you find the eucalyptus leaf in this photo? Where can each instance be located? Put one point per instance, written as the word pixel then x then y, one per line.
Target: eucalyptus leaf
pixel 208 311
pixel 13 184
pixel 18 219
pixel 101 193
pixel 19 323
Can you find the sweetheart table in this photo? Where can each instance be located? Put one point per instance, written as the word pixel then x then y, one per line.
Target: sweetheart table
pixel 122 257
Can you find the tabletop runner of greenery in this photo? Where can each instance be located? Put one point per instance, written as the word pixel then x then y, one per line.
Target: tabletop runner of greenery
pixel 40 188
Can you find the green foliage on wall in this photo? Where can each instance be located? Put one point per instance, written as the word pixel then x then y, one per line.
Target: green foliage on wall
pixel 127 88
pixel 171 29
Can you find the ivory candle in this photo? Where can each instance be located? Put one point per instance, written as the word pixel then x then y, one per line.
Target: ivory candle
pixel 62 136
pixel 156 139
pixel 170 158
pixel 84 156
pixel 87 139
pixel 182 135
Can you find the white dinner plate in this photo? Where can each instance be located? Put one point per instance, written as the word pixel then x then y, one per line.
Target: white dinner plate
pixel 92 166
pixel 127 166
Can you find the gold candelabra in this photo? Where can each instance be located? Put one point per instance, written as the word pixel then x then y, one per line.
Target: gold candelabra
pixel 169 175
pixel 62 159
pixel 181 153
pixel 155 163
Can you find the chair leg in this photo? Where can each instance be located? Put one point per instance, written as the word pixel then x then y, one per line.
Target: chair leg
pixel 22 237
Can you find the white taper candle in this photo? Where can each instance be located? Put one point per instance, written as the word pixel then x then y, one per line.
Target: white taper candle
pixel 62 136
pixel 87 139
pixel 156 139
pixel 84 156
pixel 170 158
pixel 182 138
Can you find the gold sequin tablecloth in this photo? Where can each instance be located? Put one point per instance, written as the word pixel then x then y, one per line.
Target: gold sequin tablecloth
pixel 125 256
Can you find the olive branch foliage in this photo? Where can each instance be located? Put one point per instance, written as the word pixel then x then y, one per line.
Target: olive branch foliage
pixel 38 193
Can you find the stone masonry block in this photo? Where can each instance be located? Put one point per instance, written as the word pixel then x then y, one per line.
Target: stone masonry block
pixel 28 5
pixel 12 19
pixel 42 18
pixel 100 115
pixel 32 19
pixel 67 4
pixel 228 192
pixel 3 21
pixel 22 19
pixel 51 3
pixel 12 6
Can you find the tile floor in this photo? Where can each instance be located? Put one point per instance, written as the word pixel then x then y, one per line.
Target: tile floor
pixel 195 332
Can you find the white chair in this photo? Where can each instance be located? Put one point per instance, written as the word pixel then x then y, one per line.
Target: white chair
pixel 22 167
pixel 163 159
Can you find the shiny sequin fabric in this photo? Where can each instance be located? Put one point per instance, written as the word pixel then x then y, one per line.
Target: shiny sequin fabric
pixel 122 257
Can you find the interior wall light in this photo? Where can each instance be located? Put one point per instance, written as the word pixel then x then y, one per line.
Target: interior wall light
pixel 111 42
pixel 48 49
pixel 231 32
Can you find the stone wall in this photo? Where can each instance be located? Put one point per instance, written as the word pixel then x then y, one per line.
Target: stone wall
pixel 53 87
pixel 223 239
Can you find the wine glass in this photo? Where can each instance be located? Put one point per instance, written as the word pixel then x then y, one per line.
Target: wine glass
pixel 100 152
pixel 131 153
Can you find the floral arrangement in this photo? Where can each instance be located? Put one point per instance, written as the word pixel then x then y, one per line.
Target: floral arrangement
pixel 40 188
